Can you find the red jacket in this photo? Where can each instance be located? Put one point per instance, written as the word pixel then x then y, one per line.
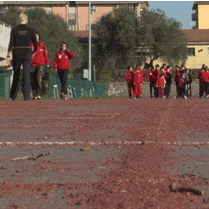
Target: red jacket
pixel 155 72
pixel 178 75
pixel 41 57
pixel 161 82
pixel 138 78
pixel 150 76
pixel 130 76
pixel 182 82
pixel 200 75
pixel 158 74
pixel 62 60
pixel 205 77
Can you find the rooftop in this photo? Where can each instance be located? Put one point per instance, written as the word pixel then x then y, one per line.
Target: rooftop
pixel 197 35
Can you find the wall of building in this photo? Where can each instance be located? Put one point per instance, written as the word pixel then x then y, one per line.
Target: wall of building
pixel 203 20
pixel 83 15
pixel 200 57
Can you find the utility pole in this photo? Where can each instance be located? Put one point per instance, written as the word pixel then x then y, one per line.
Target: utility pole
pixel 89 40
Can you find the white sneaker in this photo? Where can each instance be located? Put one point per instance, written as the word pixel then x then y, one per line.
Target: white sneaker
pixel 185 97
pixel 38 97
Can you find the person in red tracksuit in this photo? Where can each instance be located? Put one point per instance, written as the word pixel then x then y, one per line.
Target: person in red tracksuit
pixel 130 81
pixel 200 82
pixel 138 83
pixel 150 78
pixel 139 67
pixel 205 81
pixel 160 84
pixel 155 76
pixel 62 66
pixel 177 77
pixel 39 61
pixel 182 84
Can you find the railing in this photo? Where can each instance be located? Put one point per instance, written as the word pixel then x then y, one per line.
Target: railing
pixel 76 88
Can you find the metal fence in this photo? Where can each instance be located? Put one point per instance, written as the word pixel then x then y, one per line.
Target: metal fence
pixel 76 88
pixel 5 85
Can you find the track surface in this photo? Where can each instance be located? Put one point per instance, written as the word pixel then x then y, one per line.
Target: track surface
pixel 137 149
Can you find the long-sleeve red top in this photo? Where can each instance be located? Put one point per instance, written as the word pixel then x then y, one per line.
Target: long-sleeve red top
pixel 142 74
pixel 138 78
pixel 150 76
pixel 155 72
pixel 177 76
pixel 62 60
pixel 41 57
pixel 130 76
pixel 182 82
pixel 161 82
pixel 205 77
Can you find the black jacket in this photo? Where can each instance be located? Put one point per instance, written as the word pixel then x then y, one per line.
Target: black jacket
pixel 20 40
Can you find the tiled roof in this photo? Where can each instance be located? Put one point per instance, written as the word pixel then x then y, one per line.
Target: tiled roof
pixel 84 34
pixel 197 35
pixel 194 35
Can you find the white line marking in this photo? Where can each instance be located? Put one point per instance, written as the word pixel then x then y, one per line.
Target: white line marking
pixel 102 143
pixel 36 127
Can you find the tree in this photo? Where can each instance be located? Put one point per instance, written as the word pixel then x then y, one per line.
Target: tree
pixel 53 30
pixel 118 38
pixel 162 38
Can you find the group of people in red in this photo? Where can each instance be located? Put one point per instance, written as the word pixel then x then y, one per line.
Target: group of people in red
pixel 159 79
pixel 204 82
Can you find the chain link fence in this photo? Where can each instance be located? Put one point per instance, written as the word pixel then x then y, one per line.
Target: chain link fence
pixel 76 88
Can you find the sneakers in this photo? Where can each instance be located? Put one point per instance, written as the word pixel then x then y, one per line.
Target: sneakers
pixel 185 97
pixel 65 97
pixel 38 98
pixel 34 98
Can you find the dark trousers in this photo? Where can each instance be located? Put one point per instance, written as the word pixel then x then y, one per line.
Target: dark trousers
pixel 17 61
pixel 177 89
pixel 168 90
pixel 151 86
pixel 160 92
pixel 36 79
pixel 205 86
pixel 182 92
pixel 63 75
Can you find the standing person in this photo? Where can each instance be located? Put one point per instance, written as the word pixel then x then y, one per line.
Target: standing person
pixel 141 71
pixel 130 81
pixel 62 66
pixel 200 80
pixel 160 84
pixel 37 69
pixel 205 81
pixel 150 78
pixel 182 84
pixel 188 88
pixel 169 75
pixel 20 47
pixel 137 83
pixel 177 77
pixel 155 77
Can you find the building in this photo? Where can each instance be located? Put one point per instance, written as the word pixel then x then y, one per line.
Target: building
pixel 198 48
pixel 200 16
pixel 76 13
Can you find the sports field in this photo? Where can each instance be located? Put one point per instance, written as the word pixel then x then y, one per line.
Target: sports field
pixel 104 153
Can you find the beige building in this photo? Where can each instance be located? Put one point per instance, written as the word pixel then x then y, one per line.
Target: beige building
pixel 76 13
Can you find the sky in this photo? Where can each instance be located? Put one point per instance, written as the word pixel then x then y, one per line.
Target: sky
pixel 180 10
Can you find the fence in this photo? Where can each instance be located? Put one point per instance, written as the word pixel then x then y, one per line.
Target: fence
pixel 5 85
pixel 76 88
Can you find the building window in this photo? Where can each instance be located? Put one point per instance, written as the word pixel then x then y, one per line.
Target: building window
pixel 2 10
pixel 93 9
pixel 72 18
pixel 48 10
pixel 191 51
pixel 72 27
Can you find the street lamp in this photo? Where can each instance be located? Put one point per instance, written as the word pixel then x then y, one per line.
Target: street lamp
pixel 89 40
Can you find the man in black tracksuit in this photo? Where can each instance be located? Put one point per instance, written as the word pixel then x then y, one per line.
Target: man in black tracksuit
pixel 20 47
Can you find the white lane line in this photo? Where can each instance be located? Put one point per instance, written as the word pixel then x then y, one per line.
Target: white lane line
pixel 102 143
pixel 36 127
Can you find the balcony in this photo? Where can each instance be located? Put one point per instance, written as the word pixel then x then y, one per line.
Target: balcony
pixel 194 17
